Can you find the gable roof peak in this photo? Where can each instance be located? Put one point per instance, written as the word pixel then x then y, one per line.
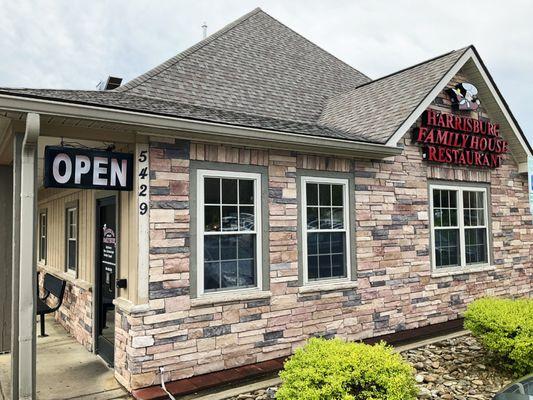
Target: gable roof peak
pixel 461 51
pixel 375 109
pixel 173 60
pixel 255 65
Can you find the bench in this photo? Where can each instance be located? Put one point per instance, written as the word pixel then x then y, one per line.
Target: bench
pixel 52 286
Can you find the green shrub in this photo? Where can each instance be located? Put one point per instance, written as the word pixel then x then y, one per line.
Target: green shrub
pixel 505 328
pixel 338 370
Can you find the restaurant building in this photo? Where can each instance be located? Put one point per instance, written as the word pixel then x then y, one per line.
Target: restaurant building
pixel 255 191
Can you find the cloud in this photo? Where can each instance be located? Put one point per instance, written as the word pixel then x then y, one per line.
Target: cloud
pixel 75 44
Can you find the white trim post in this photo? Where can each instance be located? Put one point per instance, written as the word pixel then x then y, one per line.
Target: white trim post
pixel 17 151
pixel 27 283
pixel 142 171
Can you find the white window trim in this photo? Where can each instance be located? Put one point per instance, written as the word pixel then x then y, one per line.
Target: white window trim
pixel 71 271
pixel 347 227
pixel 201 174
pixel 463 268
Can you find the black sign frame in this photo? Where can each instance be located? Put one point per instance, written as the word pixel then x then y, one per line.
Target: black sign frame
pixel 104 159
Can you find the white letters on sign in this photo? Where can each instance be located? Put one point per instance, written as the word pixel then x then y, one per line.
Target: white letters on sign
pixel 67 167
pixel 62 158
pixel 83 166
pixel 118 172
pixel 99 169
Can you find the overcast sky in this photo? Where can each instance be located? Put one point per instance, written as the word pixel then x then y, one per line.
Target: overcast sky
pixel 74 44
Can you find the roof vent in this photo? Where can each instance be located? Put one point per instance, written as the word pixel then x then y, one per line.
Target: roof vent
pixel 112 82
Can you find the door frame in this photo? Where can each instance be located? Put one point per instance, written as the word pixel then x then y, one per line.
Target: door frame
pixel 100 196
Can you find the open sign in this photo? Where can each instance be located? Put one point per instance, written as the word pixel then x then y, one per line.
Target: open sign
pixel 66 167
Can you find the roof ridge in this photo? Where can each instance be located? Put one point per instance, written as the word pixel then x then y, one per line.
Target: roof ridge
pixel 227 28
pixel 316 45
pixel 185 53
pixel 462 50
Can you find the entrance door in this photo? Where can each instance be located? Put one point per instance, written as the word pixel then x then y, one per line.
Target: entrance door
pixel 106 268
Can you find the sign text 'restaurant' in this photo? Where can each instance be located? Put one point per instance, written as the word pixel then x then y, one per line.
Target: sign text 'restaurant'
pixel 453 139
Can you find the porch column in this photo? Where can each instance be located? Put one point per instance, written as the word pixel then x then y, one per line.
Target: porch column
pixel 17 151
pixel 27 283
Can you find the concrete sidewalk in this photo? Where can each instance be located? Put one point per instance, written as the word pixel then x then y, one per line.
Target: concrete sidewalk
pixel 65 370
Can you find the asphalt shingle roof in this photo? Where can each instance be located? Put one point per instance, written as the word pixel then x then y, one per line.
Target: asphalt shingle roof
pixel 256 72
pixel 126 101
pixel 255 65
pixel 375 110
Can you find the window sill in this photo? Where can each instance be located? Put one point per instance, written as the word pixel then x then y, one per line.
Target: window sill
pixel 72 273
pixel 229 297
pixel 327 287
pixel 462 271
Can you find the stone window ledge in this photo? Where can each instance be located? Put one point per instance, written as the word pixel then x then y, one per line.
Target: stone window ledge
pixel 327 287
pixel 462 271
pixel 229 297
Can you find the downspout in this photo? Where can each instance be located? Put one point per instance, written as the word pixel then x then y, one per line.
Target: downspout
pixel 27 283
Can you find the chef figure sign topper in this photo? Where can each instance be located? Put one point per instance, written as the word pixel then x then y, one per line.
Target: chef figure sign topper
pixel 464 97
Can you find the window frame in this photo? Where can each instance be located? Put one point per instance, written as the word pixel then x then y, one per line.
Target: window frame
pixel 68 208
pixel 43 251
pixel 302 204
pixel 460 189
pixel 201 174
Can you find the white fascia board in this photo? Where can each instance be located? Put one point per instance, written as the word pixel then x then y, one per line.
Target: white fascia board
pixel 502 106
pixel 424 104
pixel 469 54
pixel 236 133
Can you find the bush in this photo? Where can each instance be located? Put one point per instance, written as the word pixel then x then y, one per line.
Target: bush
pixel 338 370
pixel 505 328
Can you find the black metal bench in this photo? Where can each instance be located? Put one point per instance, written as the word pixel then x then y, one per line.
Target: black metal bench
pixel 52 286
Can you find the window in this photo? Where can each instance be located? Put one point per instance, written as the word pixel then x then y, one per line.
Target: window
pixel 72 239
pixel 229 230
pixel 42 236
pixel 325 228
pixel 459 224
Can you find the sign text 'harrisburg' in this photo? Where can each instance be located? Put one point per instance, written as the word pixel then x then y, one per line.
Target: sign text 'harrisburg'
pixel 459 140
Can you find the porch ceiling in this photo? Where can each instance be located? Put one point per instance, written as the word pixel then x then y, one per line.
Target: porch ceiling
pixel 76 131
pixel 52 125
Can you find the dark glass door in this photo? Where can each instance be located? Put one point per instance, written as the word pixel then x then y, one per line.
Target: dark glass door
pixel 106 268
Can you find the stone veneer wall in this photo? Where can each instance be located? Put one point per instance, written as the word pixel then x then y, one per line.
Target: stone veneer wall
pixel 394 289
pixel 75 313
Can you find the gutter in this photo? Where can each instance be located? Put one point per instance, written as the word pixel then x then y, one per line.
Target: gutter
pixel 202 130
pixel 27 283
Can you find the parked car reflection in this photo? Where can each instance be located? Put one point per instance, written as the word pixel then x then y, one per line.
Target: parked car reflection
pixel 231 222
pixel 522 389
